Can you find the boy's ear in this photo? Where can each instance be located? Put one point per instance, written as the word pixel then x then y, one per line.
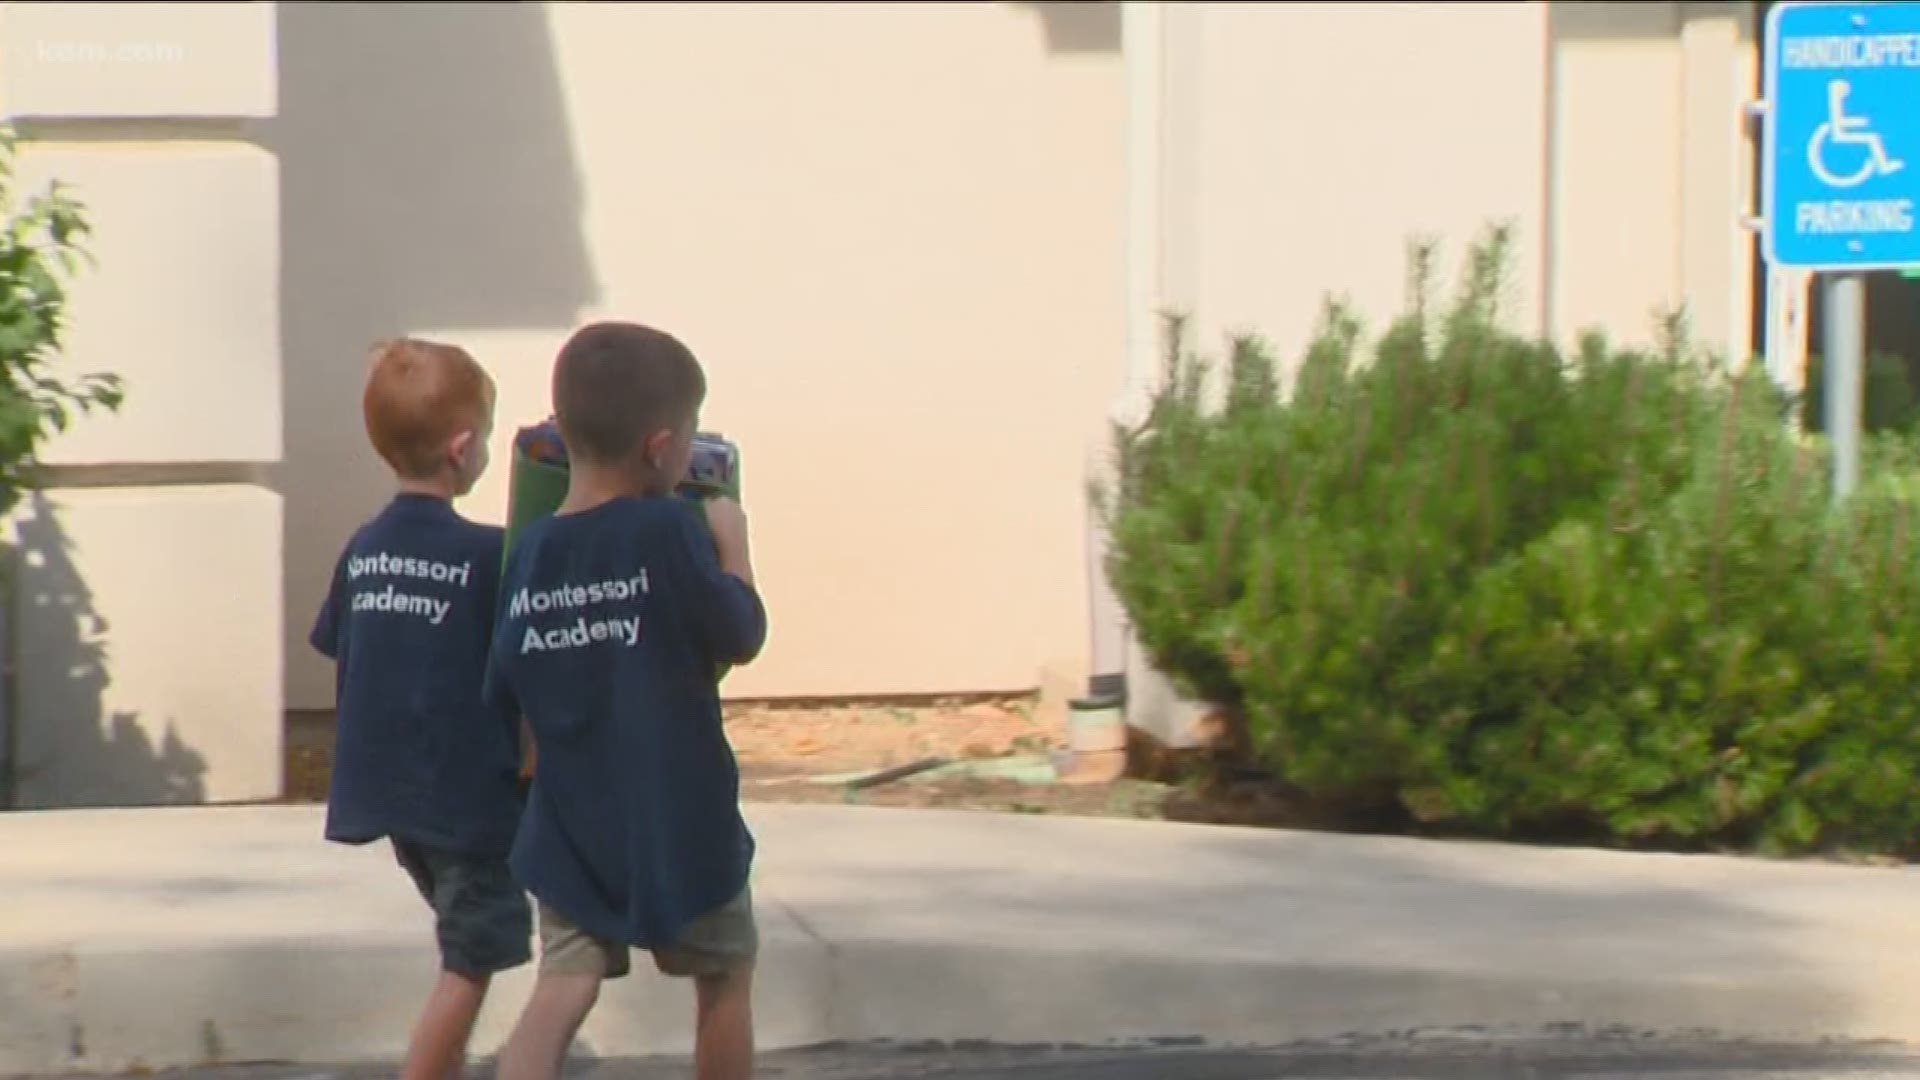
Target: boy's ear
pixel 461 448
pixel 658 444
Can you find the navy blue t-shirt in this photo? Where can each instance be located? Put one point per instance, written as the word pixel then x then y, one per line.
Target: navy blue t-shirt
pixel 613 623
pixel 408 623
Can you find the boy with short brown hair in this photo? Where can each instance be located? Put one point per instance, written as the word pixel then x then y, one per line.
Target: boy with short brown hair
pixel 617 612
pixel 419 759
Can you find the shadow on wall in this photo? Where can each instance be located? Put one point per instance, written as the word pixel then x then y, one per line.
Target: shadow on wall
pixel 1078 26
pixel 69 752
pixel 1608 20
pixel 428 185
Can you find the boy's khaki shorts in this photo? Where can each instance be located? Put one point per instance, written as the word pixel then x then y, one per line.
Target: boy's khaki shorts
pixel 720 942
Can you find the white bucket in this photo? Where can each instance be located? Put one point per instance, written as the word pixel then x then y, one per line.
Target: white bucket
pixel 1096 726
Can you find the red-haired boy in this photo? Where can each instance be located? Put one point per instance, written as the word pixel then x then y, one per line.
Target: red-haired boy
pixel 420 760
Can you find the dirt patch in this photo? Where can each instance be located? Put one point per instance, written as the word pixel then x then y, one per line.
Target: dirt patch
pixel 780 740
pixel 1124 798
pixel 805 753
pixel 308 750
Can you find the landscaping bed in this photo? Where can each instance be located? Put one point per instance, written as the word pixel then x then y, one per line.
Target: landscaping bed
pixel 976 754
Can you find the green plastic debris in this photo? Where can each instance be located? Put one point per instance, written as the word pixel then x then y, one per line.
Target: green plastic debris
pixel 1020 769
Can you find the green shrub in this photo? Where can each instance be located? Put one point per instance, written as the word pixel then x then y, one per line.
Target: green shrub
pixel 1514 593
pixel 40 250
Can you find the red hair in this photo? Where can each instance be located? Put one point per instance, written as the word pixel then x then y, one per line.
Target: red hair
pixel 419 396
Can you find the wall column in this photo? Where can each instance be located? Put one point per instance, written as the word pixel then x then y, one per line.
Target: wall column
pixel 1719 62
pixel 146 625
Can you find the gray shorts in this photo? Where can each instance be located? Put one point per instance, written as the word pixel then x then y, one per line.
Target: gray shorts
pixel 720 942
pixel 482 919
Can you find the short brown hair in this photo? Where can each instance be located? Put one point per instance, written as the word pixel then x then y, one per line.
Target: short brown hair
pixel 420 394
pixel 616 383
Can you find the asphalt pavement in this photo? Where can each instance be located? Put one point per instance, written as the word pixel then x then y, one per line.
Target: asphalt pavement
pixel 164 939
pixel 1435 1055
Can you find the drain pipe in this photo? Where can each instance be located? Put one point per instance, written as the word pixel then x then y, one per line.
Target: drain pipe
pixel 1141 34
pixel 1125 681
pixel 10 575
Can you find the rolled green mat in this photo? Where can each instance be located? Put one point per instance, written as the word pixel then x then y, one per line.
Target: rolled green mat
pixel 535 489
pixel 537 485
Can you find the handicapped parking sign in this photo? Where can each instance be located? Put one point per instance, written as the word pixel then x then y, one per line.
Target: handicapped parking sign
pixel 1841 172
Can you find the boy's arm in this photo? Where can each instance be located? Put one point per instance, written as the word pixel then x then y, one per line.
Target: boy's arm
pixel 496 693
pixel 727 610
pixel 496 687
pixel 325 635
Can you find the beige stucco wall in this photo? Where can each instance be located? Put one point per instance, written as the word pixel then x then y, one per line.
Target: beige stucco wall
pixel 182 298
pixel 146 618
pixel 1651 169
pixel 1299 148
pixel 117 61
pixel 148 646
pixel 1305 145
pixel 891 231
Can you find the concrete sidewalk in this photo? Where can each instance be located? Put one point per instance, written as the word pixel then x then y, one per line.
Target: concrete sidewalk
pixel 180 936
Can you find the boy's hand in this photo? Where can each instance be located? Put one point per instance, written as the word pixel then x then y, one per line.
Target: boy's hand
pixel 729 524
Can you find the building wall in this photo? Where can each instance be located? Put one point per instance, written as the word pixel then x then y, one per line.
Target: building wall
pixel 1652 169
pixel 146 608
pixel 1299 150
pixel 891 231
pixel 1307 145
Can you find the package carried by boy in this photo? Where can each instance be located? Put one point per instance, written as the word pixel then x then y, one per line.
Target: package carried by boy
pixel 537 479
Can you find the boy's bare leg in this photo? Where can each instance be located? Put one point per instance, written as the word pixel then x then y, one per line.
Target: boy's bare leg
pixel 439 1047
pixel 537 1050
pixel 723 1033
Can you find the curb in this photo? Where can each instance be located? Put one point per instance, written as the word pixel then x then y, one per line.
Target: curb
pixel 173 939
pixel 112 1009
pixel 322 1000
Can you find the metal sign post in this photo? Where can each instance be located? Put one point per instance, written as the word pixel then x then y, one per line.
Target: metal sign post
pixel 1841 175
pixel 1846 311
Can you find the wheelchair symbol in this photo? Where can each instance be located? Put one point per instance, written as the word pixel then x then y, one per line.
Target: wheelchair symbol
pixel 1843 130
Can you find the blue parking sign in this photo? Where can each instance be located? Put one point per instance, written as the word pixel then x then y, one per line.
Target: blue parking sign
pixel 1841 165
